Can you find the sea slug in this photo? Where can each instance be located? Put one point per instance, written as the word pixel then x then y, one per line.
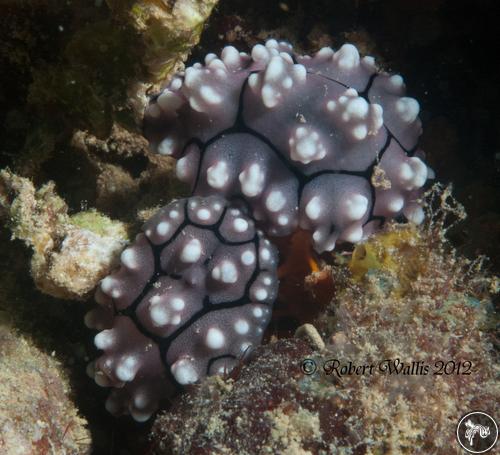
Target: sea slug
pixel 269 141
pixel 193 294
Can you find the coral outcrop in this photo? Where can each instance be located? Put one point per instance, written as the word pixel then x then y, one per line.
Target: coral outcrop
pixel 37 414
pixel 70 253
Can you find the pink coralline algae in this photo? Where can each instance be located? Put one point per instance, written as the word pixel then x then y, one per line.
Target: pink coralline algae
pixel 326 143
pixel 192 296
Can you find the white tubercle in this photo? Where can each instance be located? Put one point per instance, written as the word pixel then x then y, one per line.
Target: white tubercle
pixel 325 53
pixel 240 225
pixel 182 169
pixel 275 201
pixel 241 326
pixel 354 114
pixel 209 57
pixel 215 338
pixel 413 173
pixel 162 228
pixel 127 369
pixel 206 87
pixel 209 95
pixel 414 213
pixel 226 272
pixel 305 145
pixel 252 180
pixel 169 101
pixel 265 254
pixel 166 146
pixel 267 280
pixel 105 339
pixel 257 312
pixel 248 257
pixel 395 84
pixel 347 57
pixel 260 294
pixel 313 208
pixel 129 258
pixel 278 78
pixel 184 371
pixel 391 201
pixel 176 84
pixel 159 315
pixel 218 175
pixel 283 220
pixel 353 233
pixel 191 251
pixel 203 214
pixel 139 416
pixel 177 304
pixel 231 57
pixel 102 380
pixel 407 109
pixel 355 206
pixel 260 53
pixel 108 284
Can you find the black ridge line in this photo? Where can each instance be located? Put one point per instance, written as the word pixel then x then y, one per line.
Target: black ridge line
pixel 328 78
pixel 364 92
pixel 214 359
pixel 408 152
pixel 413 150
pixel 369 171
pixel 201 146
pixel 216 231
pixel 239 197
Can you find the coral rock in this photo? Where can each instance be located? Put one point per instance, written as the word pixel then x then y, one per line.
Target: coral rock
pixel 68 259
pixel 37 414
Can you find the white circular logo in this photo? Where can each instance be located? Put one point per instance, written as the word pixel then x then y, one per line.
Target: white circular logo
pixel 477 432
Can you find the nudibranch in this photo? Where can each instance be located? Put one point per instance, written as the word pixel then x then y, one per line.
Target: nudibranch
pixel 193 294
pixel 269 141
pixel 327 143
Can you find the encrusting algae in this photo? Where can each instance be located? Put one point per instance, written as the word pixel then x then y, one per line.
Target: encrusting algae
pixel 70 253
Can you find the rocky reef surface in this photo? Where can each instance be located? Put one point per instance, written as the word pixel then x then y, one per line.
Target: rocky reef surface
pixel 37 413
pixel 78 180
